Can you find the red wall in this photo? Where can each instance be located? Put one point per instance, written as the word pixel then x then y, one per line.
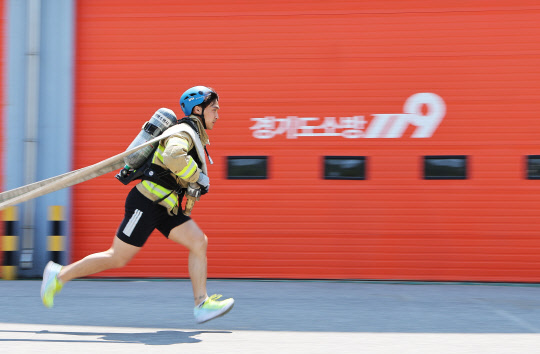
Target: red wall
pixel 324 59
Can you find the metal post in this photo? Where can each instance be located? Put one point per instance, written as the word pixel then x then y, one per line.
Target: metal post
pixel 31 128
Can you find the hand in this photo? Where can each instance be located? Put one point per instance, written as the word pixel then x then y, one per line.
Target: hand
pixel 205 189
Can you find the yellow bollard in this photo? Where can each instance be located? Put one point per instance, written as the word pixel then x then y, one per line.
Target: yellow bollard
pixel 55 241
pixel 10 244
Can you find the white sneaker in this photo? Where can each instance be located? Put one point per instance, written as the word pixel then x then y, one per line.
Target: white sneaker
pixel 50 284
pixel 211 308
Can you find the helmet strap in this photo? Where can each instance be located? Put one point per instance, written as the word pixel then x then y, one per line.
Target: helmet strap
pixel 201 116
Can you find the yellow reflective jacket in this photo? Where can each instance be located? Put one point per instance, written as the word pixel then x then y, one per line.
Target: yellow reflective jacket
pixel 173 154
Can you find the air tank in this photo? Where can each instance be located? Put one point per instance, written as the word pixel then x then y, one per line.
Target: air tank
pixel 160 121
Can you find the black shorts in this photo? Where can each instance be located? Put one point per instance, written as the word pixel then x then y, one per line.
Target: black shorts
pixel 142 217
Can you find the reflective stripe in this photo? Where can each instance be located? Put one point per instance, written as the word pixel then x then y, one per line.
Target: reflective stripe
pixel 189 170
pixel 180 141
pixel 161 149
pixel 158 154
pixel 160 192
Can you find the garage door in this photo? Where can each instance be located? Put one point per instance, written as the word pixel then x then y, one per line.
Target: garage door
pixel 304 80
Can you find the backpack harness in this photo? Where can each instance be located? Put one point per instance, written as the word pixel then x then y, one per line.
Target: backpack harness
pixel 159 175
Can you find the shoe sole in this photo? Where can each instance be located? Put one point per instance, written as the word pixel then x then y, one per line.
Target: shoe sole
pixel 220 315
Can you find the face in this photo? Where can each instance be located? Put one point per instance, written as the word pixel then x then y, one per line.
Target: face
pixel 211 114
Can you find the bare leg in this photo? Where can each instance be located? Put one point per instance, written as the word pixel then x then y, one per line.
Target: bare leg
pixel 117 256
pixel 192 237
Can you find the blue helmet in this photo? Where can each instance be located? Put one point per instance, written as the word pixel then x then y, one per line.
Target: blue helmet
pixel 194 97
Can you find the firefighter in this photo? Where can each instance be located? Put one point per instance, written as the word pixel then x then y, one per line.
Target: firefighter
pixel 155 203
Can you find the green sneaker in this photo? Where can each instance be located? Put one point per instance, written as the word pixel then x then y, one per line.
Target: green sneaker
pixel 50 284
pixel 211 308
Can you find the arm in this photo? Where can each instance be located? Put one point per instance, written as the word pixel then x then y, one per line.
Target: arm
pixel 176 158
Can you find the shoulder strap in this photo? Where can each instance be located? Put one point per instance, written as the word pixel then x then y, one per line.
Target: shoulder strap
pixel 190 122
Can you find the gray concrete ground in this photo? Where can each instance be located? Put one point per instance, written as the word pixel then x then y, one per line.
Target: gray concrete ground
pixel 151 316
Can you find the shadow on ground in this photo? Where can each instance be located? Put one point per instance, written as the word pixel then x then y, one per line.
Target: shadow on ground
pixel 148 338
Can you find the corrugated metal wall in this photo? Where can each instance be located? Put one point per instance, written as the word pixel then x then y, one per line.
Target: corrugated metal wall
pixel 324 59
